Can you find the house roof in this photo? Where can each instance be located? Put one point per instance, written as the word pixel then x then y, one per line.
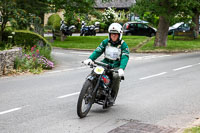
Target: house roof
pixel 114 3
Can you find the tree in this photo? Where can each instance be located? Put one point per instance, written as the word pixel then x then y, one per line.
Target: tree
pixel 36 7
pixel 35 10
pixel 195 8
pixel 7 9
pixel 166 10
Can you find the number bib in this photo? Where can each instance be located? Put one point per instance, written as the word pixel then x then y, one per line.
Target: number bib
pixel 112 53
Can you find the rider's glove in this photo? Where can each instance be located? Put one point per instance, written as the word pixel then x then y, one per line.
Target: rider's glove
pixel 88 62
pixel 121 72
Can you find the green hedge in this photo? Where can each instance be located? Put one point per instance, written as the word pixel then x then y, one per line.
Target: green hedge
pixel 28 39
pixel 54 21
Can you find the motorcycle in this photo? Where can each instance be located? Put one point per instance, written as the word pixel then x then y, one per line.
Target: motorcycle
pixel 67 31
pixel 96 89
pixel 89 30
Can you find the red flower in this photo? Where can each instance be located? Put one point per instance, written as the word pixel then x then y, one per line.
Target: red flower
pixel 32 49
pixel 37 51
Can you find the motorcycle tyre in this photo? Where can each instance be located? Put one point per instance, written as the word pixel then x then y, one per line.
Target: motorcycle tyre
pixel 84 90
pixel 94 33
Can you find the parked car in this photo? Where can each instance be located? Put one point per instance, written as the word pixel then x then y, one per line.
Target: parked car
pixel 138 28
pixel 182 27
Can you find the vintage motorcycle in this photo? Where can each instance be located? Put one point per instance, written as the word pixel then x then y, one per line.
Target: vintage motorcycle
pixel 66 30
pixel 96 89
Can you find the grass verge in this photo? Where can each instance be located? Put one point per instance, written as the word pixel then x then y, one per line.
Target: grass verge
pixel 192 130
pixel 180 44
pixel 91 42
pixel 140 44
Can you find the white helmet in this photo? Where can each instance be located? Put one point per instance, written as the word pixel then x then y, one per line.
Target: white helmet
pixel 83 23
pixel 115 28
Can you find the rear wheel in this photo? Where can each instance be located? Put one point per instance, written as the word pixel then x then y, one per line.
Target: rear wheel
pixel 152 34
pixel 85 99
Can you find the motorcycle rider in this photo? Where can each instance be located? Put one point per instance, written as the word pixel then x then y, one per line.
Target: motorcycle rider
pixel 116 53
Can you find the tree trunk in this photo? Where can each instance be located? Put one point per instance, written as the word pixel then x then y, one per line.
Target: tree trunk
pixel 62 36
pixel 162 32
pixel 195 19
pixel 3 26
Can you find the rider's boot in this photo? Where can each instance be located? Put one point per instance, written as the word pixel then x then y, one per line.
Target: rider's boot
pixel 115 86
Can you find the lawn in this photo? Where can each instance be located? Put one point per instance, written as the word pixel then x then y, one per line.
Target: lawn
pixel 180 44
pixel 91 42
pixel 193 130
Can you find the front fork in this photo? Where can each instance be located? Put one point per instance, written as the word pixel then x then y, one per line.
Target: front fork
pixel 92 79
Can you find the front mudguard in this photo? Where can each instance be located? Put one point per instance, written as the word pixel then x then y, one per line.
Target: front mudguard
pixel 96 82
pixel 91 78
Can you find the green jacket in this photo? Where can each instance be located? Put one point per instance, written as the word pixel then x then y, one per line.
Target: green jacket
pixel 118 63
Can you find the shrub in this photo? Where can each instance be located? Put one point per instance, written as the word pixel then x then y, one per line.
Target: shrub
pixel 7 39
pixel 34 60
pixel 54 21
pixel 28 39
pixel 7 32
pixel 109 16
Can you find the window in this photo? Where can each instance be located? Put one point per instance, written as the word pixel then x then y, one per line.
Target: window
pixel 140 26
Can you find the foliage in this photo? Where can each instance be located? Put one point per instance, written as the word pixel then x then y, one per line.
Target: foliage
pixel 168 11
pixel 123 18
pixel 173 10
pixel 34 7
pixel 193 130
pixel 151 18
pixel 103 27
pixel 20 20
pixel 27 39
pixel 79 7
pixel 109 16
pixel 22 14
pixel 5 46
pixel 34 60
pixel 54 21
pixel 77 10
pixel 7 9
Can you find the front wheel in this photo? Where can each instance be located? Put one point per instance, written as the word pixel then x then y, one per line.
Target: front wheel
pixel 85 99
pixel 81 34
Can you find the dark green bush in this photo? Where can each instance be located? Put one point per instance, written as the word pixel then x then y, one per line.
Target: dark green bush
pixel 54 21
pixel 103 27
pixel 7 32
pixel 28 39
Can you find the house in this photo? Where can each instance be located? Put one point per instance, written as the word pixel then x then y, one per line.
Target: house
pixel 119 5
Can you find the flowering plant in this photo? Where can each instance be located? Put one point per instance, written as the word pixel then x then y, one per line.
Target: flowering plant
pixel 34 60
pixel 41 60
pixel 109 16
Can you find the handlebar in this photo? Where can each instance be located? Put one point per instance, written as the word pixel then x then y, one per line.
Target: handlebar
pixel 107 66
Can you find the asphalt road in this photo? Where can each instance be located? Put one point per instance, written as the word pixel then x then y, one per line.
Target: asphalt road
pixel 160 93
